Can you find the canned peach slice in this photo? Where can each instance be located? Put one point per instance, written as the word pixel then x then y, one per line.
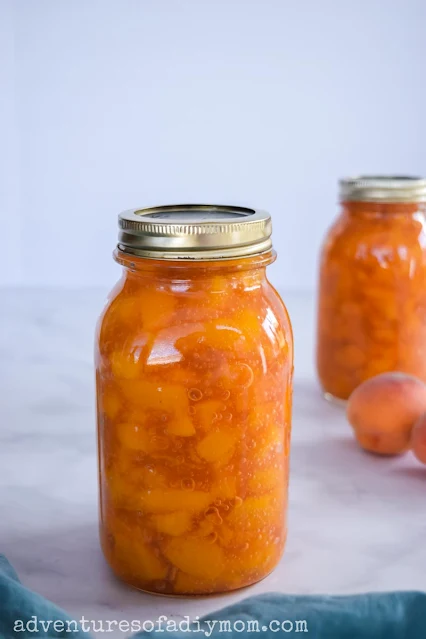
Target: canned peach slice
pixel 127 364
pixel 168 500
pixel 196 556
pixel 187 584
pixel 181 426
pixel 255 554
pixel 155 308
pixel 265 480
pixel 111 403
pixel 218 445
pixel 174 524
pixel 254 510
pixel 207 413
pixel 225 486
pixel 158 396
pixel 222 334
pixel 138 557
pixel 133 436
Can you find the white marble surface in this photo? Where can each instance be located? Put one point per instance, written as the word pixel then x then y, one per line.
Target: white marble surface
pixel 357 522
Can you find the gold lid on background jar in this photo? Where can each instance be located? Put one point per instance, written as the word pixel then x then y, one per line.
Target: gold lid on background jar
pixel 194 232
pixel 383 188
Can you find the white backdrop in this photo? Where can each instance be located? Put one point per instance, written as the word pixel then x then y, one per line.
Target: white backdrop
pixel 110 104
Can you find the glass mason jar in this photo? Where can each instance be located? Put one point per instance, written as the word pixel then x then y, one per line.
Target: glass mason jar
pixel 372 287
pixel 194 364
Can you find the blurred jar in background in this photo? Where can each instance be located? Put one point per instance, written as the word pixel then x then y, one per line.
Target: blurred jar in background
pixel 372 284
pixel 194 365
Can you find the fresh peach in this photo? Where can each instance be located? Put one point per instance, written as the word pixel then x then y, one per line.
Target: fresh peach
pixel 418 439
pixel 383 410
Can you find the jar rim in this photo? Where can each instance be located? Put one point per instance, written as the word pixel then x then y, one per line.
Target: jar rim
pixel 194 232
pixel 383 188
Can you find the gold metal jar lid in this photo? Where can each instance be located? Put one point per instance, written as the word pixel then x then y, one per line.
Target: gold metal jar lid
pixel 383 188
pixel 194 232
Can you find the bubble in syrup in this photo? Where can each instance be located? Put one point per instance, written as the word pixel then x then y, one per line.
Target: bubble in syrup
pixel 180 459
pixel 195 394
pixel 243 375
pixel 237 502
pixel 218 502
pixel 227 417
pixel 160 443
pixel 211 538
pixel 192 410
pixel 226 395
pixel 213 514
pixel 188 484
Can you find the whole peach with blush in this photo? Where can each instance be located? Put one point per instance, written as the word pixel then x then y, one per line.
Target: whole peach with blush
pixel 383 411
pixel 418 439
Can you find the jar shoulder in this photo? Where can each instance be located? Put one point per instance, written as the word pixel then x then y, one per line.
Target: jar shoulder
pixel 109 310
pixel 379 238
pixel 160 322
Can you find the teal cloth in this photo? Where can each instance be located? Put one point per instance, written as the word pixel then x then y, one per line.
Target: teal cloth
pixel 18 603
pixel 394 615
